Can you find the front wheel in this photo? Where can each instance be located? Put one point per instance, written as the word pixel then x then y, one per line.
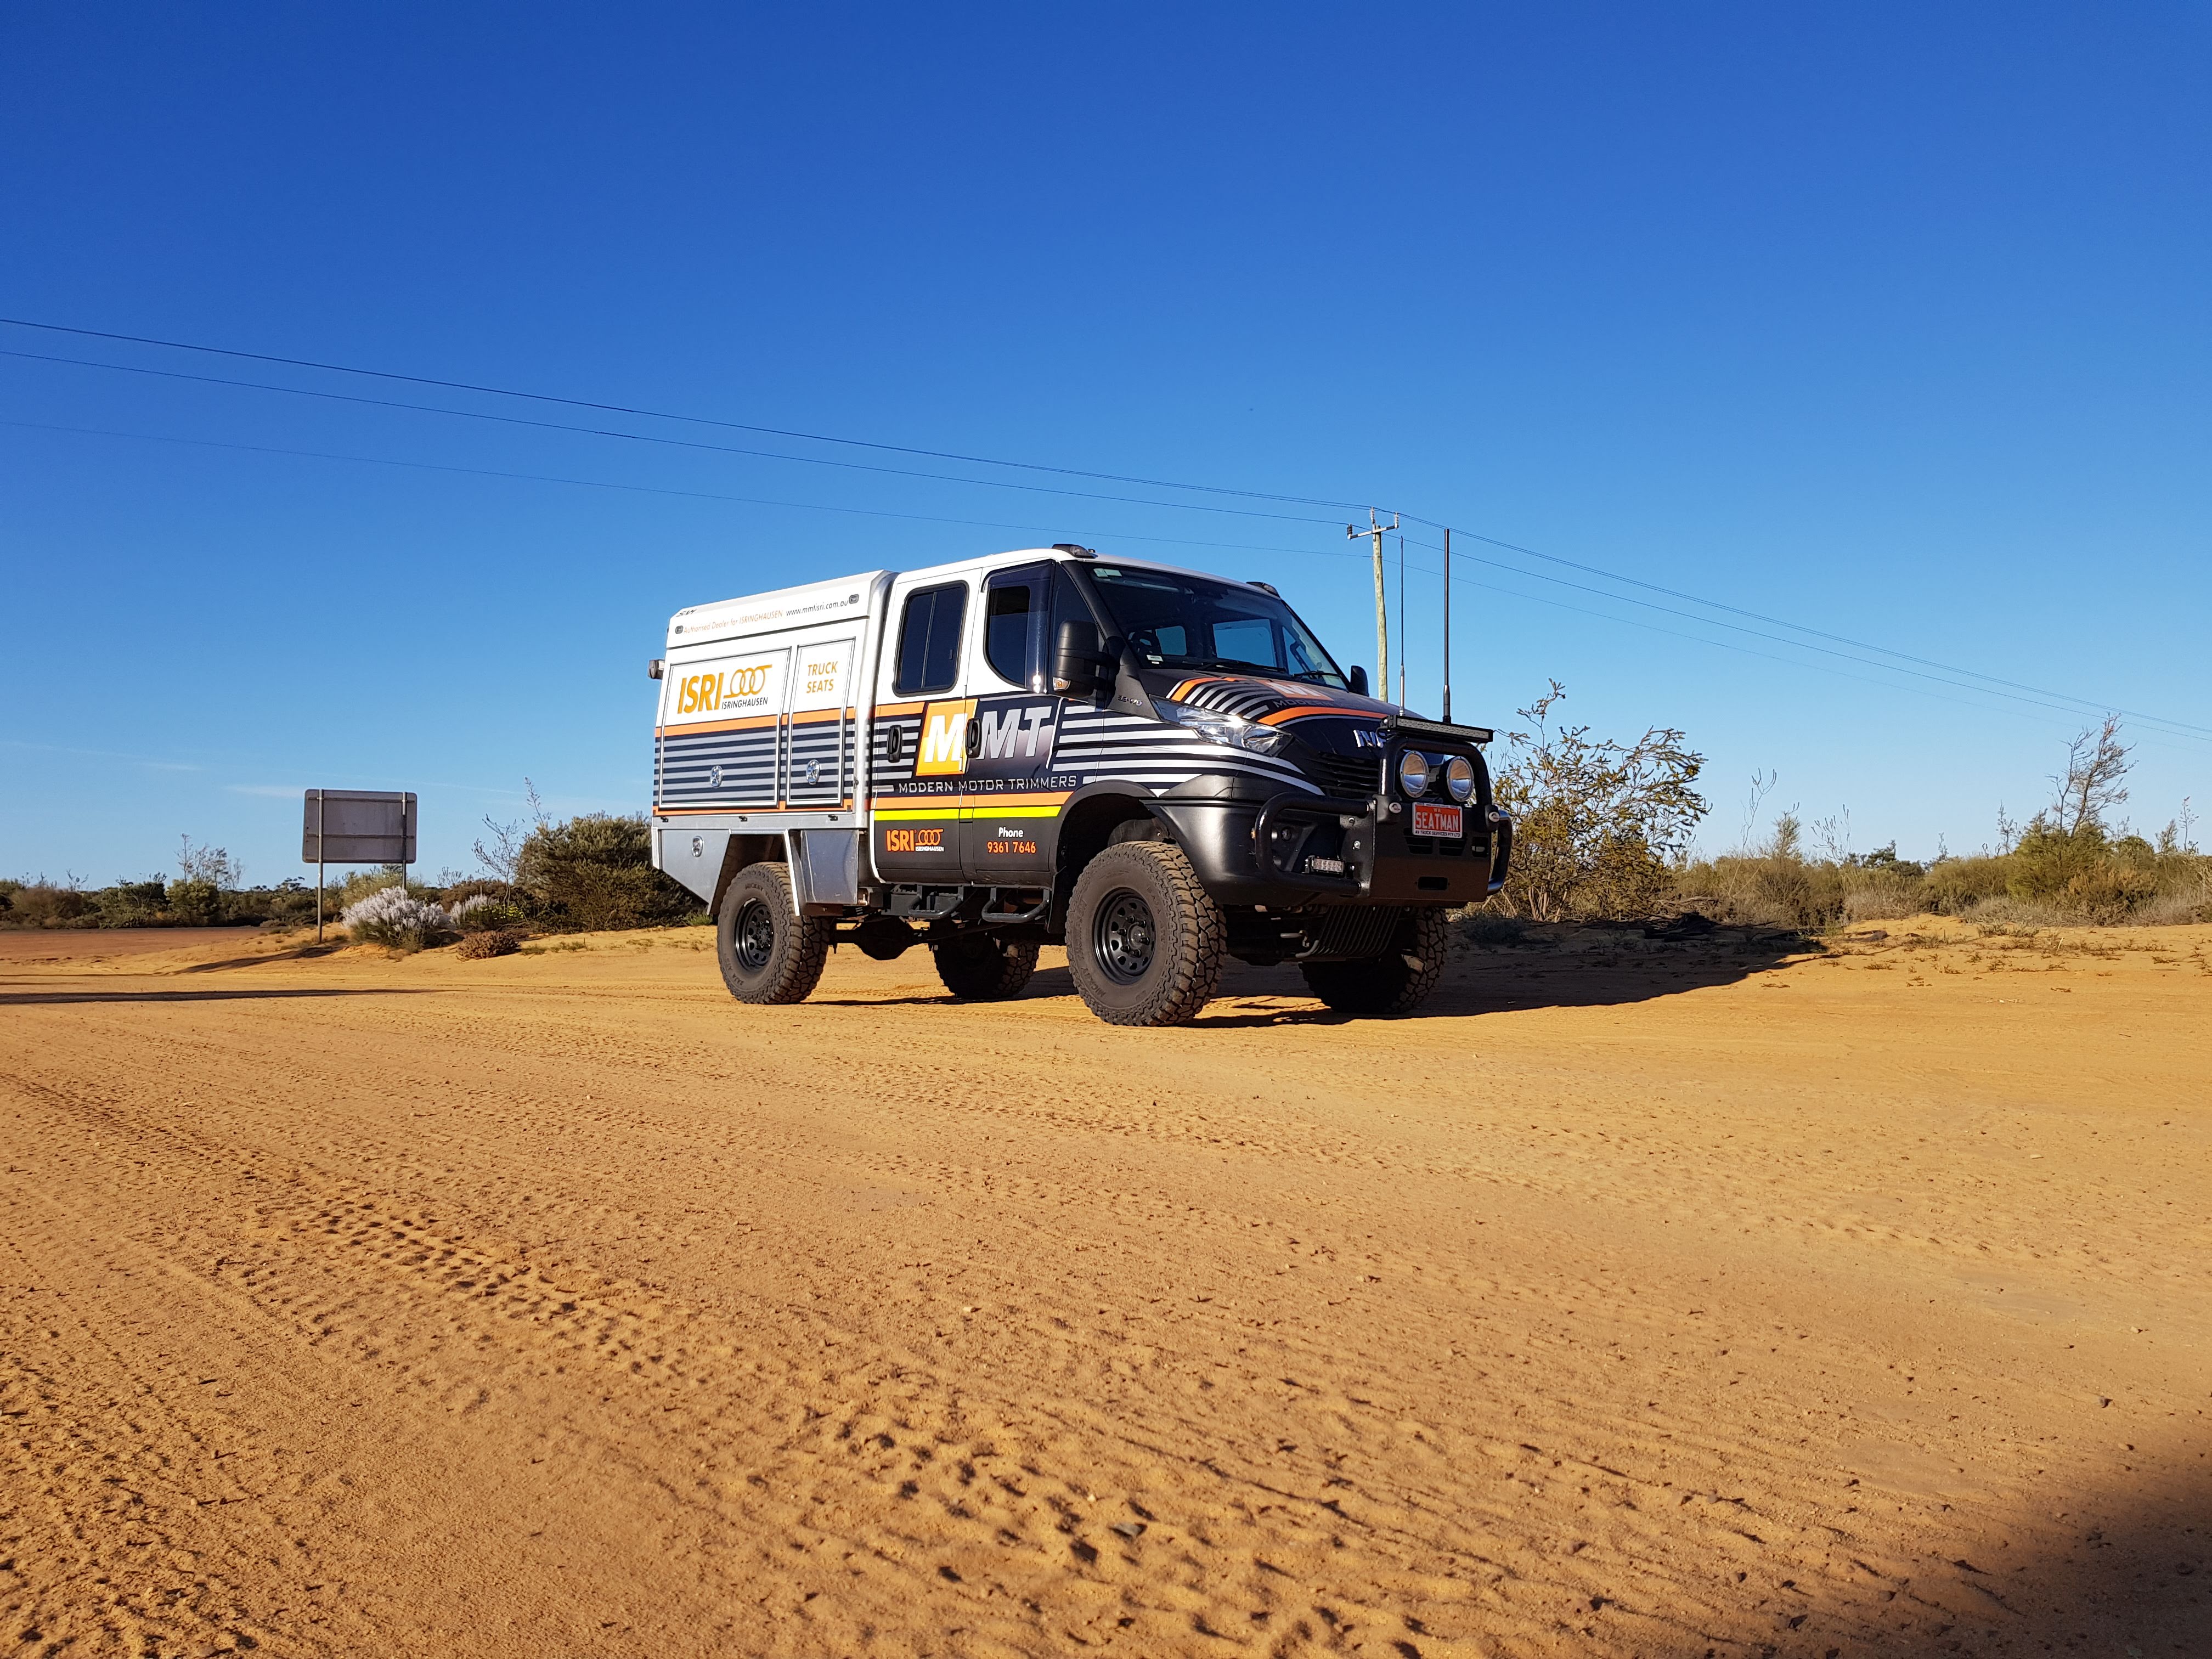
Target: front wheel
pixel 1397 981
pixel 977 967
pixel 1145 939
pixel 768 952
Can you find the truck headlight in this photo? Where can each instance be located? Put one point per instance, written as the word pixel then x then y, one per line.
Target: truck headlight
pixel 1459 779
pixel 1230 731
pixel 1414 773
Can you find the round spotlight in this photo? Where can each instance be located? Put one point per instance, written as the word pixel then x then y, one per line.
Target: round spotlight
pixel 1459 779
pixel 1414 773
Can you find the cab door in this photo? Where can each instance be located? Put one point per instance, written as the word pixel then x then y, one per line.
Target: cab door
pixel 1011 796
pixel 920 732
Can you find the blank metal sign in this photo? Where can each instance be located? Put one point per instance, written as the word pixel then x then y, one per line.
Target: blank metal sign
pixel 360 826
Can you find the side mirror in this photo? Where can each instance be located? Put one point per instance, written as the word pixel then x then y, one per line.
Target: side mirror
pixel 1079 667
pixel 1357 676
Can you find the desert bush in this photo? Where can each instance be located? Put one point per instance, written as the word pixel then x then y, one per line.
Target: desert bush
pixel 1885 896
pixel 491 942
pixel 2108 892
pixel 133 905
pixel 2046 860
pixel 1955 886
pixel 596 872
pixel 1596 823
pixel 389 916
pixel 194 903
pixel 2185 896
pixel 47 904
pixel 359 884
pixel 290 903
pixel 481 913
pixel 504 892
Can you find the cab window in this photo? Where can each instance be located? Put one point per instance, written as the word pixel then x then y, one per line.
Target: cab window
pixel 1014 605
pixel 929 640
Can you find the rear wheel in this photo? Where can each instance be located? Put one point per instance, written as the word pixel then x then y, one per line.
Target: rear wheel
pixel 978 968
pixel 768 952
pixel 1145 939
pixel 1396 983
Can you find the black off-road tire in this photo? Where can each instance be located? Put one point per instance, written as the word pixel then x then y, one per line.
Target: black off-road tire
pixel 1145 939
pixel 768 952
pixel 980 968
pixel 1396 983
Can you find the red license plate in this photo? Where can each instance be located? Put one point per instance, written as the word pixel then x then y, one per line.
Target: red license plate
pixel 1433 820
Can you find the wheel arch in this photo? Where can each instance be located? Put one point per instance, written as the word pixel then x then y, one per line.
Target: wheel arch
pixel 1088 824
pixel 740 853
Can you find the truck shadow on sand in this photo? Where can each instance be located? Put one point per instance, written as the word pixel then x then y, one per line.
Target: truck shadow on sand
pixel 1551 968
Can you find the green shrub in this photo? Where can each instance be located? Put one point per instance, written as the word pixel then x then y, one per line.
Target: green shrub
pixel 2107 892
pixel 195 904
pixel 1596 822
pixel 596 872
pixel 132 904
pixel 1955 886
pixel 500 892
pixel 481 913
pixel 46 904
pixel 2047 859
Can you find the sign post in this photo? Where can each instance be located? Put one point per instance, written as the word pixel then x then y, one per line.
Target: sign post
pixel 358 826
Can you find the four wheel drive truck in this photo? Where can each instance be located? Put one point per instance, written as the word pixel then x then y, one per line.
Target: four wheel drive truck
pixel 1155 767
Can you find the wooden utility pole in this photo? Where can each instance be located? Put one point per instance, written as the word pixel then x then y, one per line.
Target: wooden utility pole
pixel 1377 529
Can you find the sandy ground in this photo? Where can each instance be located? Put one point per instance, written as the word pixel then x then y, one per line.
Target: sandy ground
pixel 1640 1298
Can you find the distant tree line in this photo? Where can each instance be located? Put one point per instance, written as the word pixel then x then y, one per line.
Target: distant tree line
pixel 577 875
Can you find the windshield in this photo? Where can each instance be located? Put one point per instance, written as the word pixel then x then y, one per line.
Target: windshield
pixel 1175 621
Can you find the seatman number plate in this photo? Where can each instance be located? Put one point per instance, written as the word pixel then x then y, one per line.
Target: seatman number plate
pixel 1430 819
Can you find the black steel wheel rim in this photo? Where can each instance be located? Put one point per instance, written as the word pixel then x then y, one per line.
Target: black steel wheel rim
pixel 1124 936
pixel 756 937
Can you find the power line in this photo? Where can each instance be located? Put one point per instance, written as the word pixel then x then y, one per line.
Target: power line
pixel 2176 728
pixel 1800 628
pixel 1174 541
pixel 665 415
pixel 524 478
pixel 651 438
pixel 2001 686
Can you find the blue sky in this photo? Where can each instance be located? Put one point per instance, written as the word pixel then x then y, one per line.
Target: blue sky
pixel 1887 321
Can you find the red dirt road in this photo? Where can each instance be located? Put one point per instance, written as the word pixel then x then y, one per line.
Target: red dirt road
pixel 1640 1299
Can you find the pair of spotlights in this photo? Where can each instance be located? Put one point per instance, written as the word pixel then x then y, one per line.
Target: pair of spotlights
pixel 1415 769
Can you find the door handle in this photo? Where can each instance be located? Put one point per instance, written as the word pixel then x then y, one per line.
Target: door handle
pixel 974 738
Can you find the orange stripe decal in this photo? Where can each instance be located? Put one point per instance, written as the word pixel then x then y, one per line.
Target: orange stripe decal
pixel 1305 710
pixel 845 806
pixel 754 723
